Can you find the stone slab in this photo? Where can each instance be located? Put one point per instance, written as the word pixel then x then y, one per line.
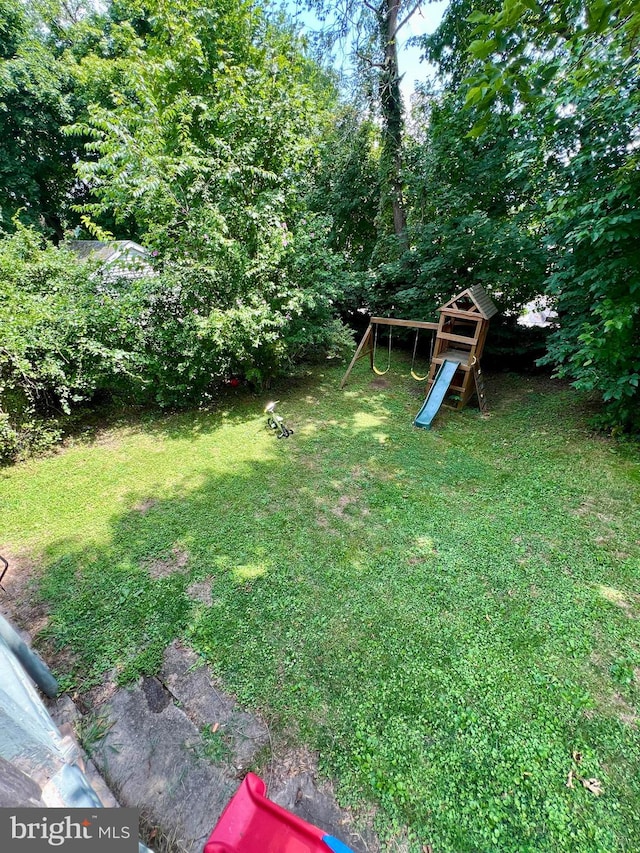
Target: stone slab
pixel 155 761
pixel 190 682
pixel 154 757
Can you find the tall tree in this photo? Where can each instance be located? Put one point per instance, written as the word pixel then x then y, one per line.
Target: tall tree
pixel 389 25
pixel 369 32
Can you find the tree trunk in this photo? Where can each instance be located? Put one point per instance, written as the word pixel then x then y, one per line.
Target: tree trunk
pixel 392 116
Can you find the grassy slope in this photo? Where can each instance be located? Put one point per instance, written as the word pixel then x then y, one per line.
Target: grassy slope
pixel 450 616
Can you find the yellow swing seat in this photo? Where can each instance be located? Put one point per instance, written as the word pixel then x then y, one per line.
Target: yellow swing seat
pixel 414 375
pixel 376 370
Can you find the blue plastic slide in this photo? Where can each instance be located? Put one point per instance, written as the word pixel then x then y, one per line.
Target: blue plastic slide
pixel 436 394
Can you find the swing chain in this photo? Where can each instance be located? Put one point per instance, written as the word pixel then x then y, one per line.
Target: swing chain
pixel 413 359
pixel 373 355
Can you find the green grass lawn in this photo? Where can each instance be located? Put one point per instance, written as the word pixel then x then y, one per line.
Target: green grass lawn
pixel 451 617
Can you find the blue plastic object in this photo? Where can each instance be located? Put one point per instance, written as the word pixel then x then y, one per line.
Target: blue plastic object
pixel 436 394
pixel 336 845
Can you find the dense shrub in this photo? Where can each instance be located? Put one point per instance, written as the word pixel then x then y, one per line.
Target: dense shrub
pixel 208 319
pixel 64 337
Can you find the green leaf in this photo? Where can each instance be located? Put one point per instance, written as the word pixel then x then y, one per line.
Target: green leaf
pixel 481 49
pixel 477 17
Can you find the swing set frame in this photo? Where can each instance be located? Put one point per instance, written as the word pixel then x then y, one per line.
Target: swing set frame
pixel 368 344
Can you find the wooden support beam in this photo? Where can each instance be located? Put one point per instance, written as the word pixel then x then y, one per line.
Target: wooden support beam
pixel 362 350
pixel 409 324
pixel 480 390
pixel 460 312
pixel 458 339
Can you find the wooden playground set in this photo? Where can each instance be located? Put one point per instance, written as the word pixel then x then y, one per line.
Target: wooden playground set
pixel 457 344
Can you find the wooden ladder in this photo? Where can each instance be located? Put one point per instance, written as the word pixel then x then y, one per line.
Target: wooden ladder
pixel 479 380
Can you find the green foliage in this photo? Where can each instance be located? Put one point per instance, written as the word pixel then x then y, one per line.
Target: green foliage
pixel 71 333
pixel 597 286
pixel 578 121
pixel 595 237
pixel 36 160
pixel 64 338
pixel 216 745
pixel 346 187
pixel 212 117
pixel 202 125
pixel 520 37
pixel 257 321
pixel 448 46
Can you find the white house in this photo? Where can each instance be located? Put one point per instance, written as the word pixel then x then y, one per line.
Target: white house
pixel 121 258
pixel 538 313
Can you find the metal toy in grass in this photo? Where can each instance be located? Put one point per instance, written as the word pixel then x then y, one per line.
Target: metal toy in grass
pixel 3 571
pixel 276 422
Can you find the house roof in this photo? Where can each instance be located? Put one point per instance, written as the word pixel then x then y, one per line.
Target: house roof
pixel 480 301
pixel 106 251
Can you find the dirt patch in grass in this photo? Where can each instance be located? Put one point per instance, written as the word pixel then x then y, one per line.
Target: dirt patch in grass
pixel 380 382
pixel 347 508
pixel 589 508
pixel 97 696
pixel 19 601
pixel 165 566
pixel 626 601
pixel 610 701
pixel 625 712
pixel 344 502
pixel 144 506
pixel 201 591
pixel 326 525
pixel 107 439
pixel 290 762
pixel 615 705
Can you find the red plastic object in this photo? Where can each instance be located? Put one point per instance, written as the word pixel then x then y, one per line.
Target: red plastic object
pixel 253 824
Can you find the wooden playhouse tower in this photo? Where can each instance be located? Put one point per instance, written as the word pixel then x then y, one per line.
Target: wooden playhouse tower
pixel 457 348
pixel 460 337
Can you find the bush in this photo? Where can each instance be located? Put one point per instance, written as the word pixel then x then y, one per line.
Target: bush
pixel 211 318
pixel 64 338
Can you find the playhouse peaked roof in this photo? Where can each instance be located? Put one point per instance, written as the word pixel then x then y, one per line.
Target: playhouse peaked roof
pixel 481 302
